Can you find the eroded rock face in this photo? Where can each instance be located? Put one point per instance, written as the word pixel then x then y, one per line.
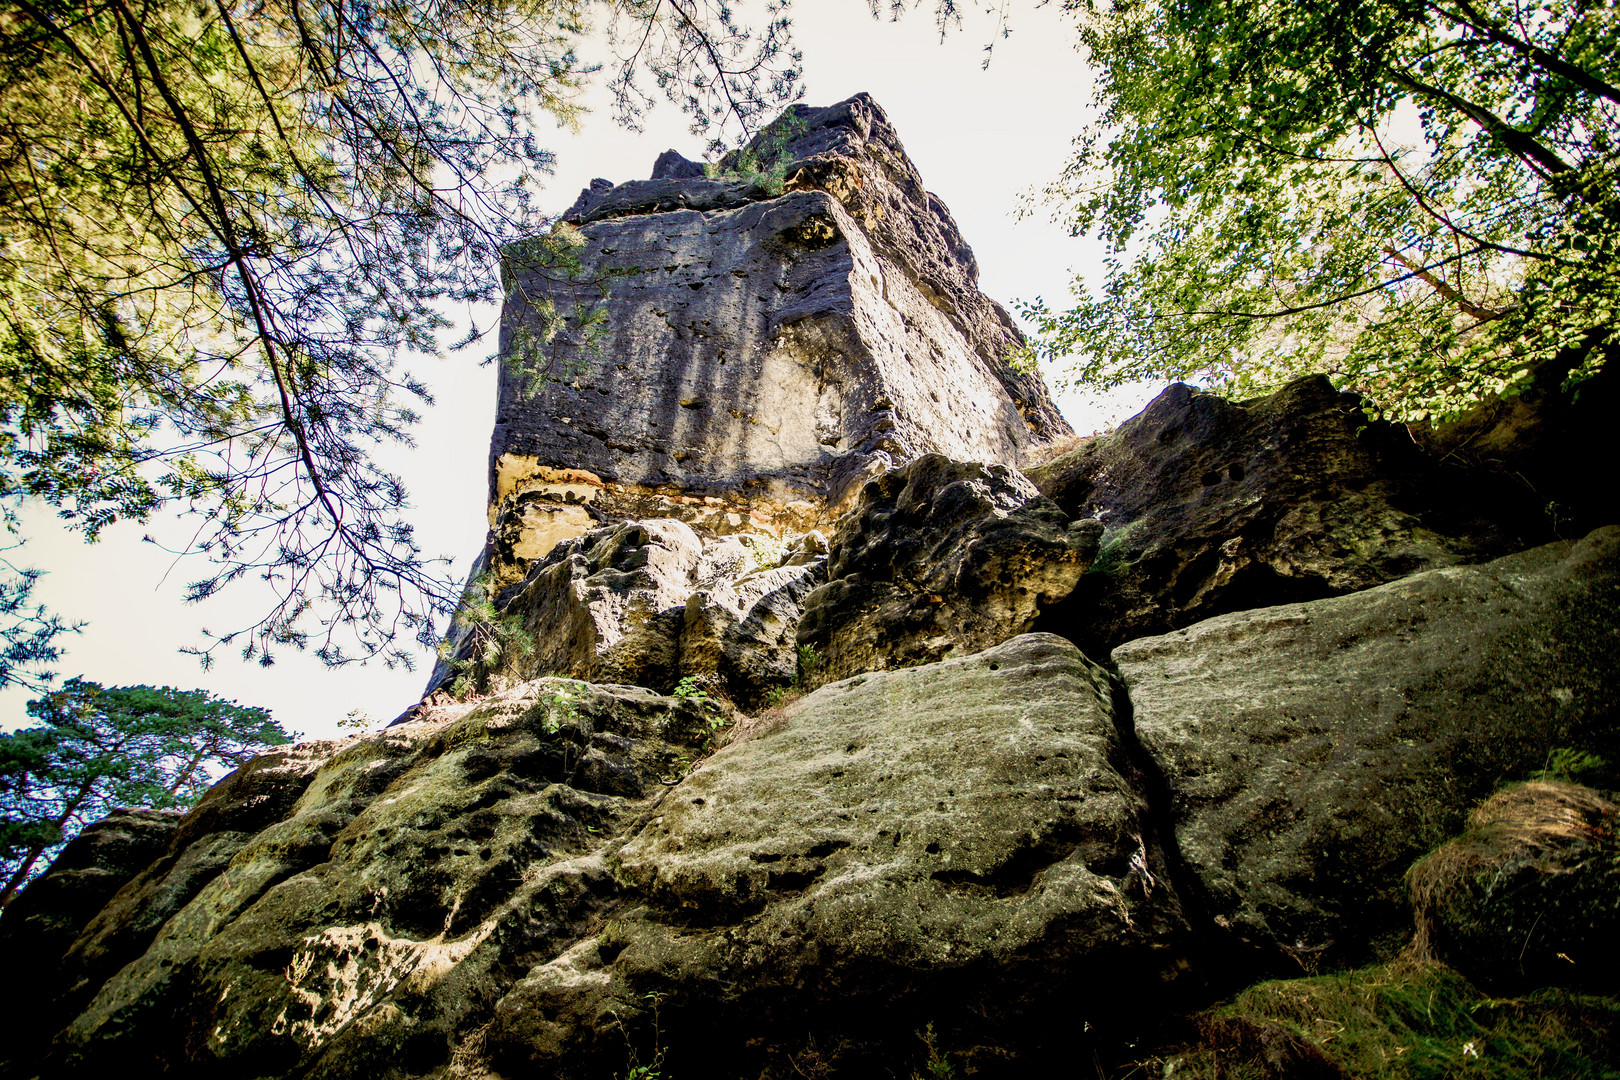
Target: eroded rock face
pixel 608 605
pixel 762 354
pixel 740 635
pixel 1212 506
pixel 940 558
pixel 350 908
pixel 647 602
pixel 965 827
pixel 1313 751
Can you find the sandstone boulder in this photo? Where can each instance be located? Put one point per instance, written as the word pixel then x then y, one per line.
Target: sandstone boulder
pixel 1211 506
pixel 1535 440
pixel 740 636
pixel 965 832
pixel 1313 751
pixel 607 605
pixel 939 558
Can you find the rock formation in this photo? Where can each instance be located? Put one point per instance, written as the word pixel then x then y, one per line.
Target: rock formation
pixel 762 353
pixel 992 774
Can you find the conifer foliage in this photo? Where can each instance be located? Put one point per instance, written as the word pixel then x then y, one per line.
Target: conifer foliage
pixel 94 749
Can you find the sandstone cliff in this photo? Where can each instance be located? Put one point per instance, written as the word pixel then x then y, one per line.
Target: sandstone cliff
pixel 1197 751
pixel 763 351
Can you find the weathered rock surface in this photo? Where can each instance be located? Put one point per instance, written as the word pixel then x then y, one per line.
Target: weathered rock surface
pixel 608 605
pixel 1313 751
pixel 647 602
pixel 501 885
pixel 352 908
pixel 1529 895
pixel 940 558
pixel 740 636
pixel 1535 439
pixel 966 828
pixel 1212 506
pixel 762 354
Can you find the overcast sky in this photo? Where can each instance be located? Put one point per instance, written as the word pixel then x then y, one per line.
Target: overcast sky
pixel 979 138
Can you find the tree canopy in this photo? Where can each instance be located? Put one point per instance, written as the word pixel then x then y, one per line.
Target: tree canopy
pixel 94 749
pixel 1416 196
pixel 221 222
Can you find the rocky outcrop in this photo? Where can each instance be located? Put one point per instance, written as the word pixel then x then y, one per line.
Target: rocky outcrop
pixel 555 880
pixel 335 902
pixel 976 850
pixel 1312 751
pixel 607 606
pixel 1211 506
pixel 648 602
pixel 940 558
pixel 763 351
pixel 1534 440
pixel 43 922
pixel 969 824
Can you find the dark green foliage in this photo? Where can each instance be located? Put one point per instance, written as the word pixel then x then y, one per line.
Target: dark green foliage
pixel 28 633
pixel 97 748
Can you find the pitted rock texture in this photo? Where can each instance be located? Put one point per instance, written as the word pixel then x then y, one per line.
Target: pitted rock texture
pixel 1211 506
pixel 966 831
pixel 761 355
pixel 1313 751
pixel 740 636
pixel 647 602
pixel 356 908
pixel 608 605
pixel 940 558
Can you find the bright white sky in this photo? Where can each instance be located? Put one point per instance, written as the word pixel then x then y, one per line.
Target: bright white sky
pixel 978 137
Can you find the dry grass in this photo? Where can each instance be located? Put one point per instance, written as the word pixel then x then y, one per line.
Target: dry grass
pixel 1527 823
pixel 1049 453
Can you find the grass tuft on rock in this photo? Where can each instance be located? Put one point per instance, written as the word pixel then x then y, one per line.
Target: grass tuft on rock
pixel 1407 1020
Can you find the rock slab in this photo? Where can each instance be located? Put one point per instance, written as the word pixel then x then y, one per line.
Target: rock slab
pixel 1313 751
pixel 968 824
pixel 1211 506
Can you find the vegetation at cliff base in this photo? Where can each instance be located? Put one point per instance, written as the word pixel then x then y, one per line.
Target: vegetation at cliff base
pixel 1418 197
pixel 1400 1021
pixel 94 749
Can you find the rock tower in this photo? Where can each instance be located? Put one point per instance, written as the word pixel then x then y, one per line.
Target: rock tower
pixel 766 343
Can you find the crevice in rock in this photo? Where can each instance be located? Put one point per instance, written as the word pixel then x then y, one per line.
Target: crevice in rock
pixel 1220 962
